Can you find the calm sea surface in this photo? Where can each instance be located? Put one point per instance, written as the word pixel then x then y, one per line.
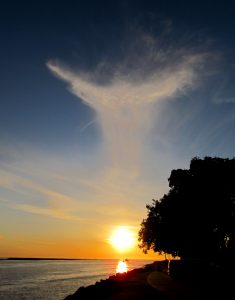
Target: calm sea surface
pixel 53 279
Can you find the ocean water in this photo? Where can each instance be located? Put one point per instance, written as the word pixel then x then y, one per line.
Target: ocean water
pixel 53 279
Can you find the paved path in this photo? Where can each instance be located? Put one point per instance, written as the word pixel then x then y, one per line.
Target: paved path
pixel 170 288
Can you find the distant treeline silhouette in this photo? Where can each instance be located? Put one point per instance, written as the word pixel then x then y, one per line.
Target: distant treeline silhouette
pixel 196 218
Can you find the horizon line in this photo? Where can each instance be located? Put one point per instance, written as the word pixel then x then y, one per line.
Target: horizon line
pixel 57 258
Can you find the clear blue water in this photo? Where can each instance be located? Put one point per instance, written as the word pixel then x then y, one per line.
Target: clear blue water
pixel 53 279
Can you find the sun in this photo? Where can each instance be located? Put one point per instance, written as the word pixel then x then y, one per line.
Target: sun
pixel 122 238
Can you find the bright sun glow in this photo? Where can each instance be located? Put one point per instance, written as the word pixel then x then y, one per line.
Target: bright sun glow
pixel 122 239
pixel 121 267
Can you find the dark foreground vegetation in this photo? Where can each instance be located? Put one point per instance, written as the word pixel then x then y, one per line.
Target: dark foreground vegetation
pixel 196 219
pixel 195 223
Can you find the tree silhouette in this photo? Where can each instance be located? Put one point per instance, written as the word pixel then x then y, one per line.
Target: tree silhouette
pixel 196 219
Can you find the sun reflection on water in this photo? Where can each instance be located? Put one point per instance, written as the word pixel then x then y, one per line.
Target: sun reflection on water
pixel 122 267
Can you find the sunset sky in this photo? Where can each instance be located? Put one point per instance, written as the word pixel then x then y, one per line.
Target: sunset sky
pixel 100 100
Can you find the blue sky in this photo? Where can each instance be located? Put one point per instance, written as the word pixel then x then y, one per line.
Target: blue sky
pixel 100 100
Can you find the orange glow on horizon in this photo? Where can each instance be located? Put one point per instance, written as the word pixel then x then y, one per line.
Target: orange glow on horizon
pixel 69 244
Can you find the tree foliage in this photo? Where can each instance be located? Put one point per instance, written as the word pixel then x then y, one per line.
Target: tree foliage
pixel 196 219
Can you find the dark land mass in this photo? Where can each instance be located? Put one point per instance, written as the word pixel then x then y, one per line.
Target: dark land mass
pixel 183 280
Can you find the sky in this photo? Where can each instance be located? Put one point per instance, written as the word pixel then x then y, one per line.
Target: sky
pixel 100 100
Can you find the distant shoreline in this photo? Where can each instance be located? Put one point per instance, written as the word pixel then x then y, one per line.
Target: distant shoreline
pixel 39 258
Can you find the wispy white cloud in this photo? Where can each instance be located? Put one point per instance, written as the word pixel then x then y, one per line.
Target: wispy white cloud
pixel 44 211
pixel 124 103
pixel 123 91
pixel 83 128
pixel 223 97
pixel 52 203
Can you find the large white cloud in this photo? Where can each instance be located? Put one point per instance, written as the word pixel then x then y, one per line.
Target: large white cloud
pixel 124 103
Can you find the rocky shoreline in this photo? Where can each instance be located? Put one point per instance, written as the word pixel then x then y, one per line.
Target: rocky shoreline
pixel 130 285
pixel 154 281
